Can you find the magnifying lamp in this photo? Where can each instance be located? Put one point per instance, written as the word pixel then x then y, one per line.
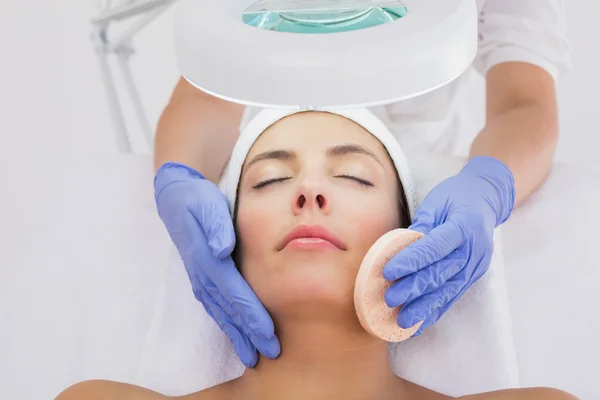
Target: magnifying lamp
pixel 313 54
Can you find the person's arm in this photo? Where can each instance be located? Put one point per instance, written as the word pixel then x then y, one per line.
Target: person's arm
pixel 197 130
pixel 521 124
pixel 194 141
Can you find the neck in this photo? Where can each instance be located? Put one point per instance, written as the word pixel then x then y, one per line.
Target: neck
pixel 324 359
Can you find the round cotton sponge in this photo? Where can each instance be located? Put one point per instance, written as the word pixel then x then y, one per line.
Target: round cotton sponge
pixel 369 292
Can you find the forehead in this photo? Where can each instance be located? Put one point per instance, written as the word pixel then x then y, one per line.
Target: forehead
pixel 314 131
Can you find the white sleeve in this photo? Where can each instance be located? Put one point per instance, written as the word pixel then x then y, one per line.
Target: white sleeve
pixel 531 31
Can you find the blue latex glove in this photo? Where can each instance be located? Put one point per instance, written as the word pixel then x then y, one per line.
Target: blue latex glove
pixel 197 218
pixel 458 218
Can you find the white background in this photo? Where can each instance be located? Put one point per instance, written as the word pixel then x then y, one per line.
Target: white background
pixel 53 110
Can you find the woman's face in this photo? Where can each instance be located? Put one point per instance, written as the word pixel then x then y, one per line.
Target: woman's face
pixel 312 174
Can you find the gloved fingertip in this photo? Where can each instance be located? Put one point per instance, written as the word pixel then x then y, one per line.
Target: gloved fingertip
pixel 390 300
pixel 274 349
pixel 408 319
pixel 404 321
pixel 250 362
pixel 389 272
pixel 253 361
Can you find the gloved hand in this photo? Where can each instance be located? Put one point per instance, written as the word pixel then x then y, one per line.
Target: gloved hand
pixel 197 218
pixel 458 218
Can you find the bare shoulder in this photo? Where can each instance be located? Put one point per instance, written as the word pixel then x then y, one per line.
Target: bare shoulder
pixel 105 390
pixel 522 394
pixel 218 392
pixel 109 390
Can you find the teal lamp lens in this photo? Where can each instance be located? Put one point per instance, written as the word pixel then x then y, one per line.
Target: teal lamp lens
pixel 324 20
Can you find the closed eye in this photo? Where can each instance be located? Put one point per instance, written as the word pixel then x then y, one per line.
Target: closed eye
pixel 354 178
pixel 270 181
pixel 267 182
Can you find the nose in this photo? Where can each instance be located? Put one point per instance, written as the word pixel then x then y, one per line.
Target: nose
pixel 311 197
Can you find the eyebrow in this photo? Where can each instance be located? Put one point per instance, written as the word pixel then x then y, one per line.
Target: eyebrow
pixel 345 149
pixel 334 151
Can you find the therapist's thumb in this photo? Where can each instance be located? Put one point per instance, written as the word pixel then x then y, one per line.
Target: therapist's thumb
pixel 221 236
pixel 218 225
pixel 423 221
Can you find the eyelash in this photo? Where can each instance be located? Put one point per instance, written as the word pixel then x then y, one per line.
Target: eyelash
pixel 262 184
pixel 354 178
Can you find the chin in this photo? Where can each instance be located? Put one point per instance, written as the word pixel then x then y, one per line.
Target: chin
pixel 319 283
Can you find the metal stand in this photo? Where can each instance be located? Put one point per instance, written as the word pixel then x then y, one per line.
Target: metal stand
pixel 122 48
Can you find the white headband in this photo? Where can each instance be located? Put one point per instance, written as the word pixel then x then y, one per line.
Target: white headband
pixel 267 117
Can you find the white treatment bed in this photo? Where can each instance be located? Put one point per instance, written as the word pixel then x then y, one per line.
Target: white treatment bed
pixel 83 306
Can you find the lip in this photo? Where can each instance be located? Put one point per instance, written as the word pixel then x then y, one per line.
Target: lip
pixel 311 232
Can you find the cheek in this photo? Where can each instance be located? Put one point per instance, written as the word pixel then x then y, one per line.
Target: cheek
pixel 257 237
pixel 371 219
pixel 253 224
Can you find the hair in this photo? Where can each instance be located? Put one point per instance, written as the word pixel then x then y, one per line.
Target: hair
pixel 405 219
